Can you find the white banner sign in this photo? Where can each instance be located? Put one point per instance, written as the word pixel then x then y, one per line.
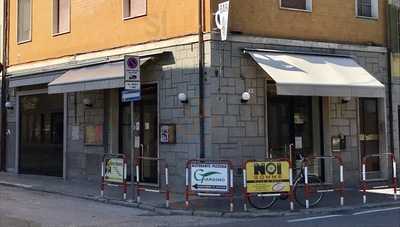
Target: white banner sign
pixel 209 177
pixel 222 19
pixel 114 170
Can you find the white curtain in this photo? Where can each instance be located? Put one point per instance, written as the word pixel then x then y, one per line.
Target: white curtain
pixel 24 20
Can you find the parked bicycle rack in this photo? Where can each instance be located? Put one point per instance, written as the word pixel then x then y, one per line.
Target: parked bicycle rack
pixel 111 173
pixel 364 185
pixel 206 187
pixel 247 194
pixel 339 189
pixel 142 188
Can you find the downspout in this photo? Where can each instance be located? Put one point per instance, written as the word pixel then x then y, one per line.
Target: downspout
pixel 389 65
pixel 3 123
pixel 201 78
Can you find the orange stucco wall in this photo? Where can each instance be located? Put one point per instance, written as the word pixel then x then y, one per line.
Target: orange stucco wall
pixel 98 25
pixel 330 20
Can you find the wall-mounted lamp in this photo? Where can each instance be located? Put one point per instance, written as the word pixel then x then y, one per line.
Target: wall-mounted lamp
pixel 245 97
pixel 87 102
pixel 346 100
pixel 9 105
pixel 183 98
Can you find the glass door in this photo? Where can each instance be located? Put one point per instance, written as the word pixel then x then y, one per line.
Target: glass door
pixel 369 132
pixel 145 133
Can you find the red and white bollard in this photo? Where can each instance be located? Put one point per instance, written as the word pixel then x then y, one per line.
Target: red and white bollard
pixel 102 180
pixel 364 186
pixel 306 189
pixel 341 185
pixel 291 188
pixel 394 177
pixel 167 187
pixel 187 187
pixel 244 190
pixel 137 181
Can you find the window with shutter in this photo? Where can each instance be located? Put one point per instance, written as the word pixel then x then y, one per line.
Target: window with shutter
pixel 134 8
pixel 24 19
pixel 61 16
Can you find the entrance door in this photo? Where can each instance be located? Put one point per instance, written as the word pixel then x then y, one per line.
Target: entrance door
pixel 41 135
pixel 290 122
pixel 369 132
pixel 146 127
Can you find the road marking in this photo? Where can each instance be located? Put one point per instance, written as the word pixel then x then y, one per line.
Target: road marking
pixel 313 218
pixel 375 211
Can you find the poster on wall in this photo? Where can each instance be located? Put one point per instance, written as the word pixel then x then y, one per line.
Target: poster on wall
pixel 167 134
pixel 209 177
pixel 267 177
pixel 94 135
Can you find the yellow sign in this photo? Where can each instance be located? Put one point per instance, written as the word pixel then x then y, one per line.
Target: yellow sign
pixel 267 177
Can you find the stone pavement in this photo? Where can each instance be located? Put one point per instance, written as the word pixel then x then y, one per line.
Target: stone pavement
pixel 199 206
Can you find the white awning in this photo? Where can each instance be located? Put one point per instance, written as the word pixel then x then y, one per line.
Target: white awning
pixel 317 75
pixel 97 77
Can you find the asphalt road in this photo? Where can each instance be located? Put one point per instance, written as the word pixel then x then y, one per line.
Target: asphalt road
pixel 24 208
pixel 382 217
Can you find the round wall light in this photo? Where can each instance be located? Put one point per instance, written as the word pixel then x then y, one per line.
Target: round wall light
pixel 183 98
pixel 245 97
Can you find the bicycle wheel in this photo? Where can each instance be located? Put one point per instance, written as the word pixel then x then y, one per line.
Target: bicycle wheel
pixel 262 201
pixel 314 197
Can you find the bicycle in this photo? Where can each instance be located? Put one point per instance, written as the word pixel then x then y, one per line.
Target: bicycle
pixel 264 201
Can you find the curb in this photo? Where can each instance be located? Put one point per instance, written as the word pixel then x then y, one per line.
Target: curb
pixel 203 213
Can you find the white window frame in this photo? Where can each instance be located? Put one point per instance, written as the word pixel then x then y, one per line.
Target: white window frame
pixel 309 4
pixel 54 33
pixel 374 10
pixel 30 23
pixel 130 16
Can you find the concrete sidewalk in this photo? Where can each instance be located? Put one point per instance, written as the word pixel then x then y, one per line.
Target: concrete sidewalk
pixel 199 206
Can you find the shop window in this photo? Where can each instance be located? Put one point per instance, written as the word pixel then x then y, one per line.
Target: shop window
pixel 24 21
pixel 297 4
pixel 367 8
pixel 134 8
pixel 61 16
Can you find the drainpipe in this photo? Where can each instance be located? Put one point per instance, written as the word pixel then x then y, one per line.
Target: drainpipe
pixel 201 78
pixel 3 122
pixel 389 65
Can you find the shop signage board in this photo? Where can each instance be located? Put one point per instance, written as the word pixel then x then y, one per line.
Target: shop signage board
pixel 114 170
pixel 222 19
pixel 131 79
pixel 209 177
pixel 267 177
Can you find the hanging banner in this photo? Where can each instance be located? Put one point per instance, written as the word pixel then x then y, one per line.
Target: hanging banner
pixel 209 177
pixel 114 170
pixel 222 19
pixel 267 177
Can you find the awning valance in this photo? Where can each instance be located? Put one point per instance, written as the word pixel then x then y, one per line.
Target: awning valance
pixel 96 77
pixel 317 75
